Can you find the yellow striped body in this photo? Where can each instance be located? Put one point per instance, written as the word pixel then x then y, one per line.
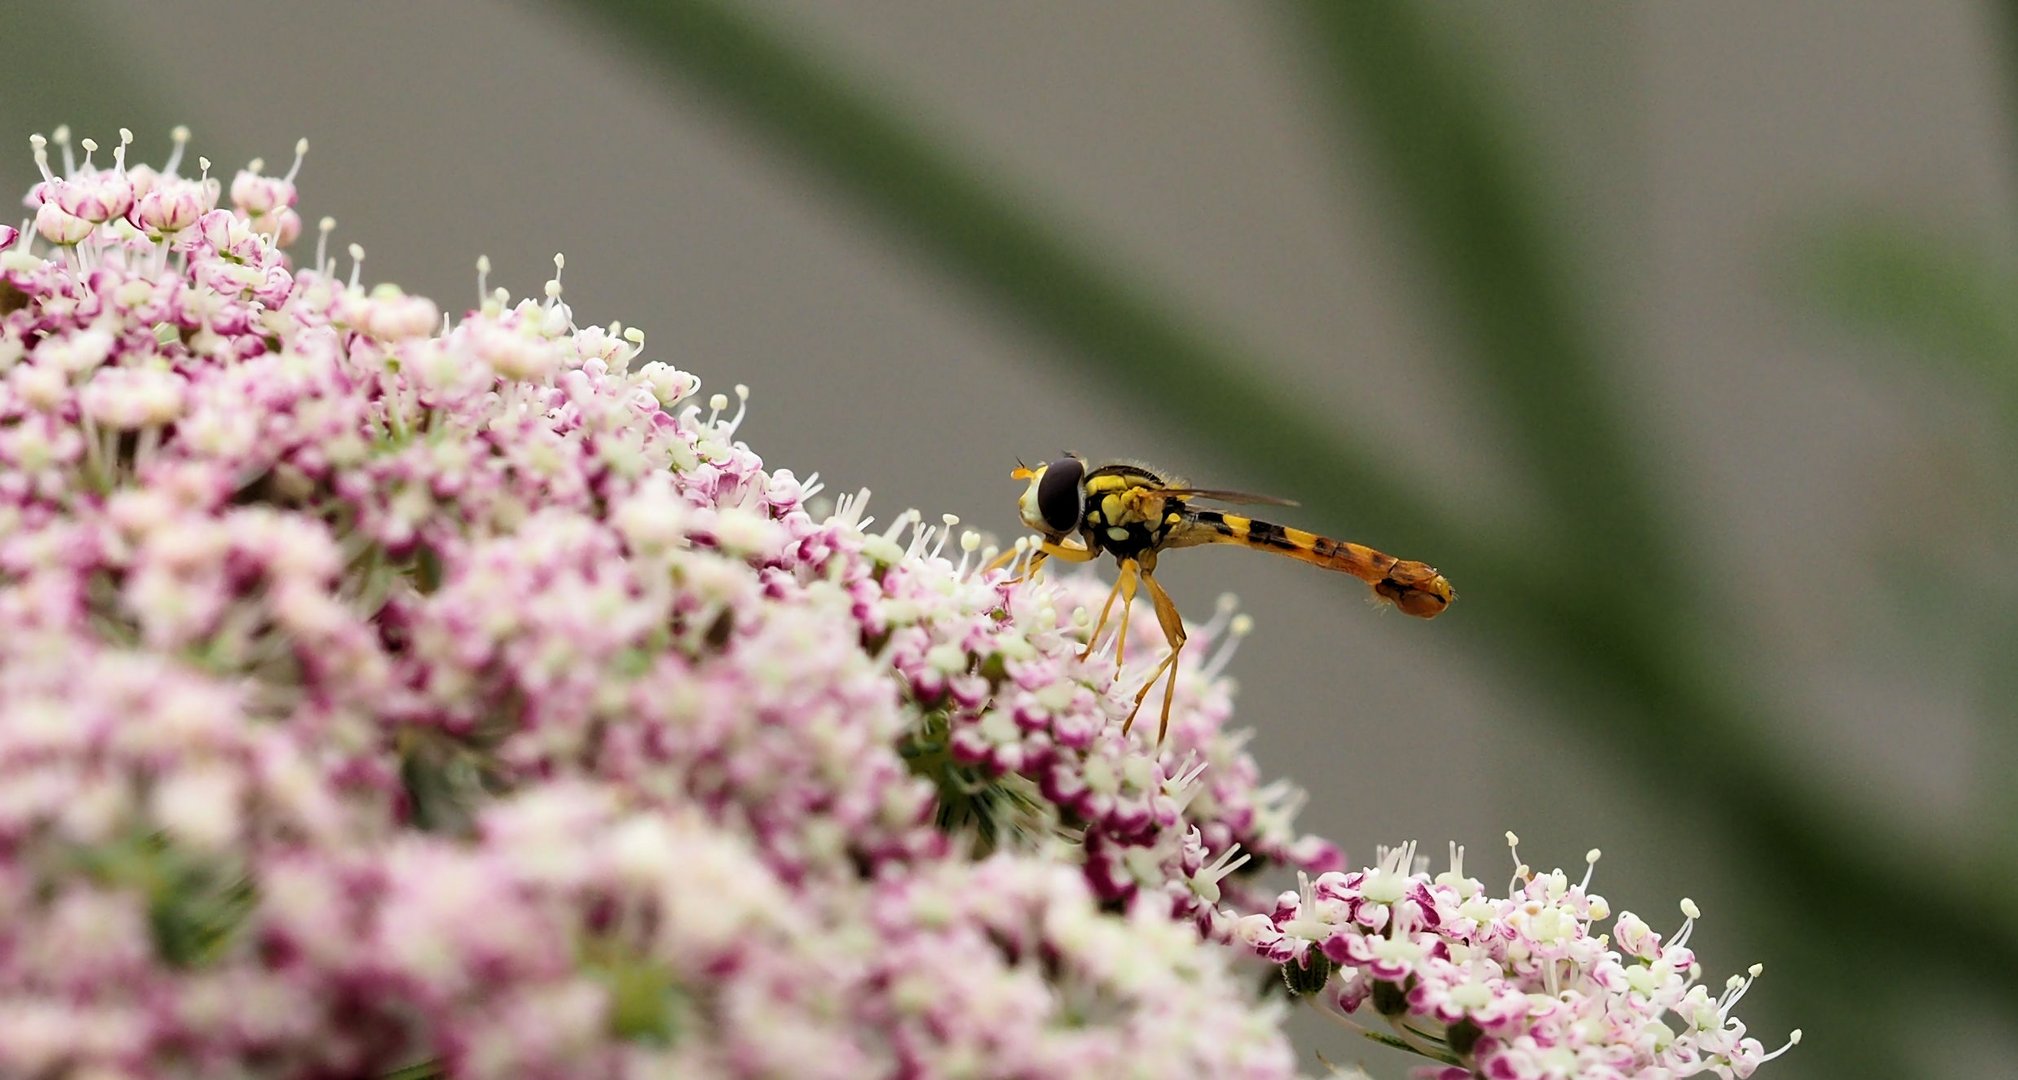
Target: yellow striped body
pixel 1130 513
pixel 1416 588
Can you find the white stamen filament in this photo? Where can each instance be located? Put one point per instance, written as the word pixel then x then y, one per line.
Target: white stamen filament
pixel 635 338
pixel 848 511
pixel 1184 786
pixel 1206 882
pixel 1239 627
pixel 1690 913
pixel 322 230
pixel 1221 613
pixel 181 137
pixel 1734 989
pixel 1281 800
pixel 61 137
pixel 1520 874
pixel 41 146
pixel 1793 1040
pixel 742 409
pixel 553 285
pixel 897 525
pixel 970 542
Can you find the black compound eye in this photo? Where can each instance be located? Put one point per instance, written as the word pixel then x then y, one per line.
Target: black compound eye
pixel 1059 497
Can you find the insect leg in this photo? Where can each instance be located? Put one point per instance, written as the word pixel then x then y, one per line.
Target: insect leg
pixel 1068 552
pixel 1038 552
pixel 1131 572
pixel 1004 559
pixel 1051 549
pixel 1173 632
pixel 1007 558
pixel 1125 582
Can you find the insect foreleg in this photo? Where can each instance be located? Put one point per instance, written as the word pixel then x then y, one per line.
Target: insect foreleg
pixel 1037 553
pixel 1052 549
pixel 1067 552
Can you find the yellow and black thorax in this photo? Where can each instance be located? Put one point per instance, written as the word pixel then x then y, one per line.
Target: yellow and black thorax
pixel 1128 512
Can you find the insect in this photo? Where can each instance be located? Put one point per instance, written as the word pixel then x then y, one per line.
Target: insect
pixel 1134 515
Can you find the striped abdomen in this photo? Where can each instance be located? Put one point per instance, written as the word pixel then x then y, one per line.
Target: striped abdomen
pixel 1416 588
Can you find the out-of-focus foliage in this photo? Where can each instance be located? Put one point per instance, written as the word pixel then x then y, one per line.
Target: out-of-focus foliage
pixel 1949 311
pixel 1943 312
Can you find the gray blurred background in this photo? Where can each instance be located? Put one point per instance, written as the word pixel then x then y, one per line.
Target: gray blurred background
pixel 1837 499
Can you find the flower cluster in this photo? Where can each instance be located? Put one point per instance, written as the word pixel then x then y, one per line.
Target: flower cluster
pixel 1511 987
pixel 388 690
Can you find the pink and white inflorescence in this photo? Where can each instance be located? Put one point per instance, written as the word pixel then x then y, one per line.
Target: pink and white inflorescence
pixel 1503 988
pixel 388 690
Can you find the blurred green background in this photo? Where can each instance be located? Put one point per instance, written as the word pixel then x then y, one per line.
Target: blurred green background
pixel 1681 337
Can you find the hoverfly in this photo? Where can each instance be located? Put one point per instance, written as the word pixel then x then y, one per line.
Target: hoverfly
pixel 1133 514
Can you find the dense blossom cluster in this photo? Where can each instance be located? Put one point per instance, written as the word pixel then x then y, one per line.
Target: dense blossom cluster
pixel 1519 986
pixel 385 690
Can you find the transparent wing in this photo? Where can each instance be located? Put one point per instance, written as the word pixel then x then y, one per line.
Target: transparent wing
pixel 1236 497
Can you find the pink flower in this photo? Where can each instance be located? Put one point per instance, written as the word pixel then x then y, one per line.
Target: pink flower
pixel 173 205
